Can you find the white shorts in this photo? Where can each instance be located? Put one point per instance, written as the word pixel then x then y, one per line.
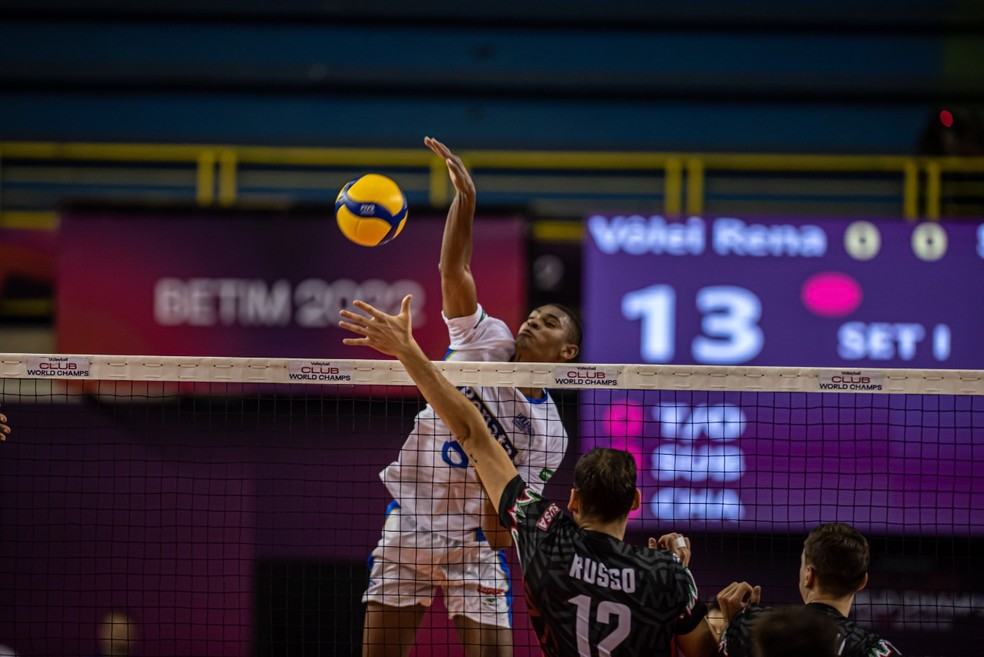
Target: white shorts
pixel 408 566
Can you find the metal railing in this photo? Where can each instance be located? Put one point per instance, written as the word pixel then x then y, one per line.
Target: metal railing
pixel 36 176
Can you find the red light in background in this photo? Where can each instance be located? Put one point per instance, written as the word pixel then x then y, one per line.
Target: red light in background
pixel 946 118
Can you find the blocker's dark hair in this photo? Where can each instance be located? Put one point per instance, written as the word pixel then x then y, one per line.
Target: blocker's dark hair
pixel 606 483
pixel 840 557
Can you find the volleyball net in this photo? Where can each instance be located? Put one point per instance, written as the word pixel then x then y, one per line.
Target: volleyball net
pixel 227 506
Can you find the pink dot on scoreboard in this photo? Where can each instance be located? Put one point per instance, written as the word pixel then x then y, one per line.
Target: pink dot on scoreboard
pixel 624 420
pixel 831 294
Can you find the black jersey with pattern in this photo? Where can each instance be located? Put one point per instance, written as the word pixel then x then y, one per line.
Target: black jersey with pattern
pixel 589 593
pixel 852 641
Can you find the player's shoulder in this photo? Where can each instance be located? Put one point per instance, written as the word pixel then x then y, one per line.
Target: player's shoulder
pixel 860 642
pixel 479 337
pixel 856 640
pixel 736 640
pixel 650 557
pixel 746 617
pixel 658 567
pixel 480 319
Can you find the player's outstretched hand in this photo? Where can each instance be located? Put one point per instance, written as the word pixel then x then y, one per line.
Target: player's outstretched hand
pixel 736 596
pixel 678 544
pixel 4 427
pixel 387 334
pixel 460 177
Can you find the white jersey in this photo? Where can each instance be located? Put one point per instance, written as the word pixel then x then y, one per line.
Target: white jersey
pixel 432 479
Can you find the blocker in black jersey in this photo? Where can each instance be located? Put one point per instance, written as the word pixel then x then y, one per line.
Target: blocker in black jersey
pixel 591 594
pixel 852 641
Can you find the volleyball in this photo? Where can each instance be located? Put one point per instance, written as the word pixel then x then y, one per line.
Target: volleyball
pixel 371 210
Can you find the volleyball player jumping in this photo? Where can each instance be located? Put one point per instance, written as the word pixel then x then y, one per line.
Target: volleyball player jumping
pixel 433 536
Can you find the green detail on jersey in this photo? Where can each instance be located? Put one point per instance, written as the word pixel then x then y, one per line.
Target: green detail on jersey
pixel 546 473
pixel 524 500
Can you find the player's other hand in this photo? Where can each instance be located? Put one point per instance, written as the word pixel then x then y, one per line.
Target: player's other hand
pixel 736 596
pixel 460 178
pixel 387 334
pixel 678 544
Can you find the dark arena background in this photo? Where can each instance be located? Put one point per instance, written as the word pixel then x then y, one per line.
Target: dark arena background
pixel 768 215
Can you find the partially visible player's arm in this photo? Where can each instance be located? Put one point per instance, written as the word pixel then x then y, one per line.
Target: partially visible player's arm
pixel 458 294
pixel 392 335
pixel 4 429
pixel 498 536
pixel 700 642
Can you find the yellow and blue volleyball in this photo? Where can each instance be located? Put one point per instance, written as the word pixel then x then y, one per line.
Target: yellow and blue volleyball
pixel 371 210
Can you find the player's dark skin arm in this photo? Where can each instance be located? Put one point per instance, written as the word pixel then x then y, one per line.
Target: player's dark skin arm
pixel 459 297
pixel 458 293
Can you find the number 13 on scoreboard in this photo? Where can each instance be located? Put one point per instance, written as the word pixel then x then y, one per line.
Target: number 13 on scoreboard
pixel 729 324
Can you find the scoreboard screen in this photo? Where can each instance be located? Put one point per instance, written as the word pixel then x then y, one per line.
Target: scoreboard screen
pixel 853 295
pixel 784 292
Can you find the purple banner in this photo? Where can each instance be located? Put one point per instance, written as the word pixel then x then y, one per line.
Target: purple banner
pixel 792 292
pixel 261 284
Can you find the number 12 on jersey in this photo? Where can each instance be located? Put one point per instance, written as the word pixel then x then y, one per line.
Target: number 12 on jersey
pixel 607 613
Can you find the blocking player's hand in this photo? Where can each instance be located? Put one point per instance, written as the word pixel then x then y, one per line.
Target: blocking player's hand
pixel 387 334
pixel 460 177
pixel 736 596
pixel 678 544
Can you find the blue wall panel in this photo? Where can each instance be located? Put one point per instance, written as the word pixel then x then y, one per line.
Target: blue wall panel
pixel 363 83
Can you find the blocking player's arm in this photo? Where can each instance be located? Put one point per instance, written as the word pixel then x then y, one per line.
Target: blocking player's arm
pixel 692 633
pixel 392 335
pixel 498 536
pixel 459 297
pixel 464 421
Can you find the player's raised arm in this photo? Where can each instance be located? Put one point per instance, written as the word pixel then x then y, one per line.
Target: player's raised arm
pixel 392 335
pixel 457 283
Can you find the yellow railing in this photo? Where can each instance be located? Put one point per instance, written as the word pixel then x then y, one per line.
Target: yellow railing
pixel 678 180
pixel 36 177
